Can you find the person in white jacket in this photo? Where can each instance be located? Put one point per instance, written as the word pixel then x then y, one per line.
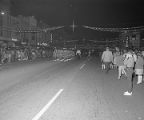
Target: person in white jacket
pixel 78 54
pixel 107 58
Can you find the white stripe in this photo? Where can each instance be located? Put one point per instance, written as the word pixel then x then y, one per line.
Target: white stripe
pixel 82 66
pixel 46 107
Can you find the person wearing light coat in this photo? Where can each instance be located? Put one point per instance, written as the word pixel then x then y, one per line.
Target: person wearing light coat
pixel 107 58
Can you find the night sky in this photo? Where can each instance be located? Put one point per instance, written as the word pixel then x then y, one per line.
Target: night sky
pixel 100 13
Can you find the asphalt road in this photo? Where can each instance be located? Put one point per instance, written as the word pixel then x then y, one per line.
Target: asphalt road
pixel 70 90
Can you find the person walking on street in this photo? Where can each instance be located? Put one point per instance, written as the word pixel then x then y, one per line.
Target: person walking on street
pixel 78 53
pixel 129 62
pixel 143 53
pixel 139 67
pixel 107 59
pixel 119 62
pixel 116 54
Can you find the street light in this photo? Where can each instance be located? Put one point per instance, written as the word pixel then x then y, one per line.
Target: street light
pixel 2 12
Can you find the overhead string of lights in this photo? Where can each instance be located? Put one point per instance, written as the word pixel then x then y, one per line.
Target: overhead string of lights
pixel 89 27
pixel 115 29
pixel 100 28
pixel 41 30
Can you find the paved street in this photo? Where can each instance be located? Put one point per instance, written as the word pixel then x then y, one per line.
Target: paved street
pixel 66 90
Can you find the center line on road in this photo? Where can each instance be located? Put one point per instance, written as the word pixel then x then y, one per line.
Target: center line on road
pixel 46 107
pixel 82 66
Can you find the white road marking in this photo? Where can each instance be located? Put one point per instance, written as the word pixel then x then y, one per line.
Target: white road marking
pixel 46 107
pixel 82 66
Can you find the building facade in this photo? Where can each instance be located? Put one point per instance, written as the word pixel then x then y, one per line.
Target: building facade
pixel 25 30
pixel 131 38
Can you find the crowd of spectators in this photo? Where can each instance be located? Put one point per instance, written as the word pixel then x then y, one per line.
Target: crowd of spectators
pixel 8 55
pixel 14 54
pixel 63 53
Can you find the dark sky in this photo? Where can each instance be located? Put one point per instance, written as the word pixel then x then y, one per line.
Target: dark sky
pixel 101 13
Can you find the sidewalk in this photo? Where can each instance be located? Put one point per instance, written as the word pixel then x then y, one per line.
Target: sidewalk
pixel 5 65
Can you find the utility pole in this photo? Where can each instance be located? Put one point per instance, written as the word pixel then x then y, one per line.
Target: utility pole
pixel 73 26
